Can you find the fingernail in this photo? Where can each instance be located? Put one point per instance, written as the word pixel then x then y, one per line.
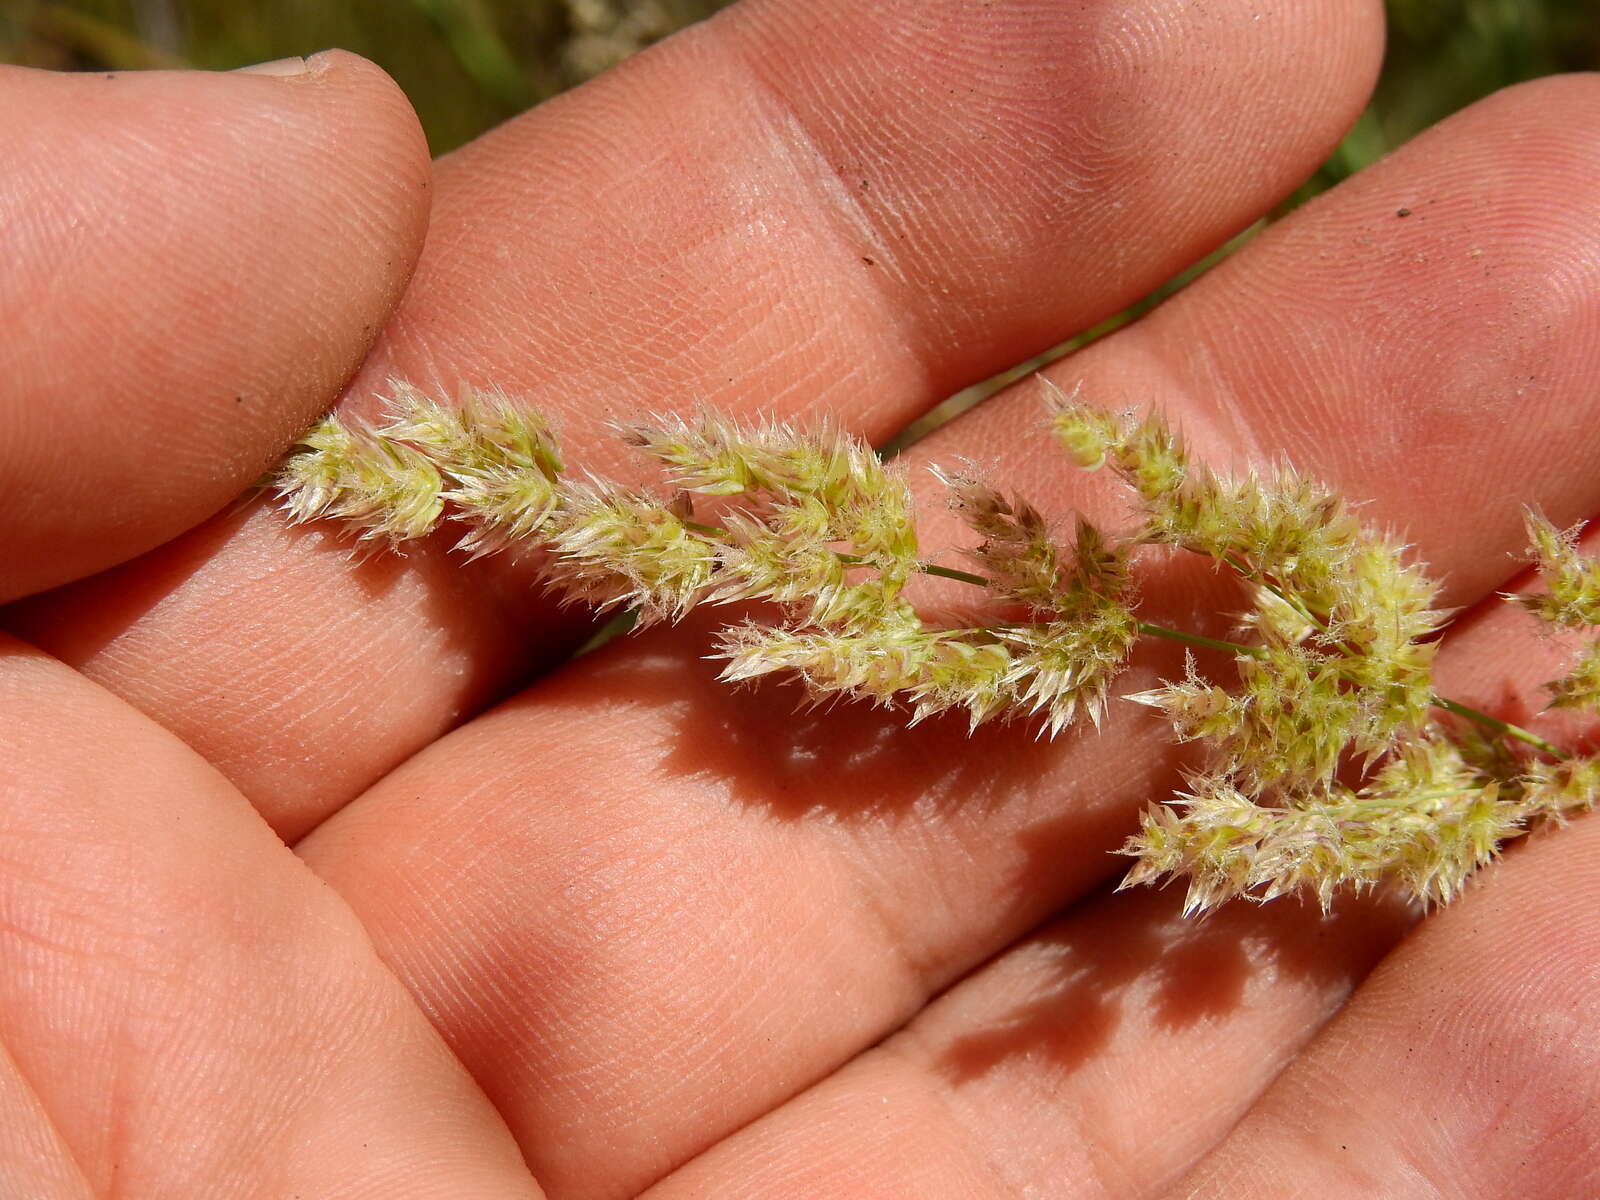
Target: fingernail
pixel 278 66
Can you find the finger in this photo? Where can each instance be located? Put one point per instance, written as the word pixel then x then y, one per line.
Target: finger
pixel 1107 1055
pixel 823 206
pixel 188 1005
pixel 194 264
pixel 744 861
pixel 779 218
pixel 1468 1062
pixel 1102 1057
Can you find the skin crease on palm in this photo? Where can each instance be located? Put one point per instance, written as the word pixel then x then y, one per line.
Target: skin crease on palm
pixel 627 931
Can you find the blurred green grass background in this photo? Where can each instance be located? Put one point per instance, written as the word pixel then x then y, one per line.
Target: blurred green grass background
pixel 465 64
pixel 469 64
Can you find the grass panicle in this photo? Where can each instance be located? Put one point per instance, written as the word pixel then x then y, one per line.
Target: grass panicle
pixel 1329 763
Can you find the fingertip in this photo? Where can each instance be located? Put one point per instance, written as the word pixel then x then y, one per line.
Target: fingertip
pixel 196 262
pixel 1575 94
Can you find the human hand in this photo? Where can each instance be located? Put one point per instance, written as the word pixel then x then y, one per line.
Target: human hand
pixel 660 927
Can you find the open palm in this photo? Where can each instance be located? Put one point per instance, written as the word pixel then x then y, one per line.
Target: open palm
pixel 628 931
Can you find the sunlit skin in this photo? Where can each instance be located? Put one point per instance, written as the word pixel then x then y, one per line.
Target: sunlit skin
pixel 320 878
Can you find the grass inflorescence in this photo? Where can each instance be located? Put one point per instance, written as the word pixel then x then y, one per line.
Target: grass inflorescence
pixel 1329 761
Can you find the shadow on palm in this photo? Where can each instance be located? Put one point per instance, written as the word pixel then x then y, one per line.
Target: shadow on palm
pixel 1133 957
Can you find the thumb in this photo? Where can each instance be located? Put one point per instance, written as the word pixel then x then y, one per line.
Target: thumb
pixel 194 263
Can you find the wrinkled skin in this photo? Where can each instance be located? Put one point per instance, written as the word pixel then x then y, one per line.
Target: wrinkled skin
pixel 320 877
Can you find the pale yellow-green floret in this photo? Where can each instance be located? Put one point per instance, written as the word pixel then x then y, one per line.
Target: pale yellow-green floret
pixel 1427 820
pixel 385 490
pixel 893 663
pixel 1572 581
pixel 826 529
pixel 1061 669
pixel 1017 555
pixel 1570 600
pixel 1580 687
pixel 1144 452
pixel 616 548
pixel 486 430
pixel 1560 789
pixel 501 461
